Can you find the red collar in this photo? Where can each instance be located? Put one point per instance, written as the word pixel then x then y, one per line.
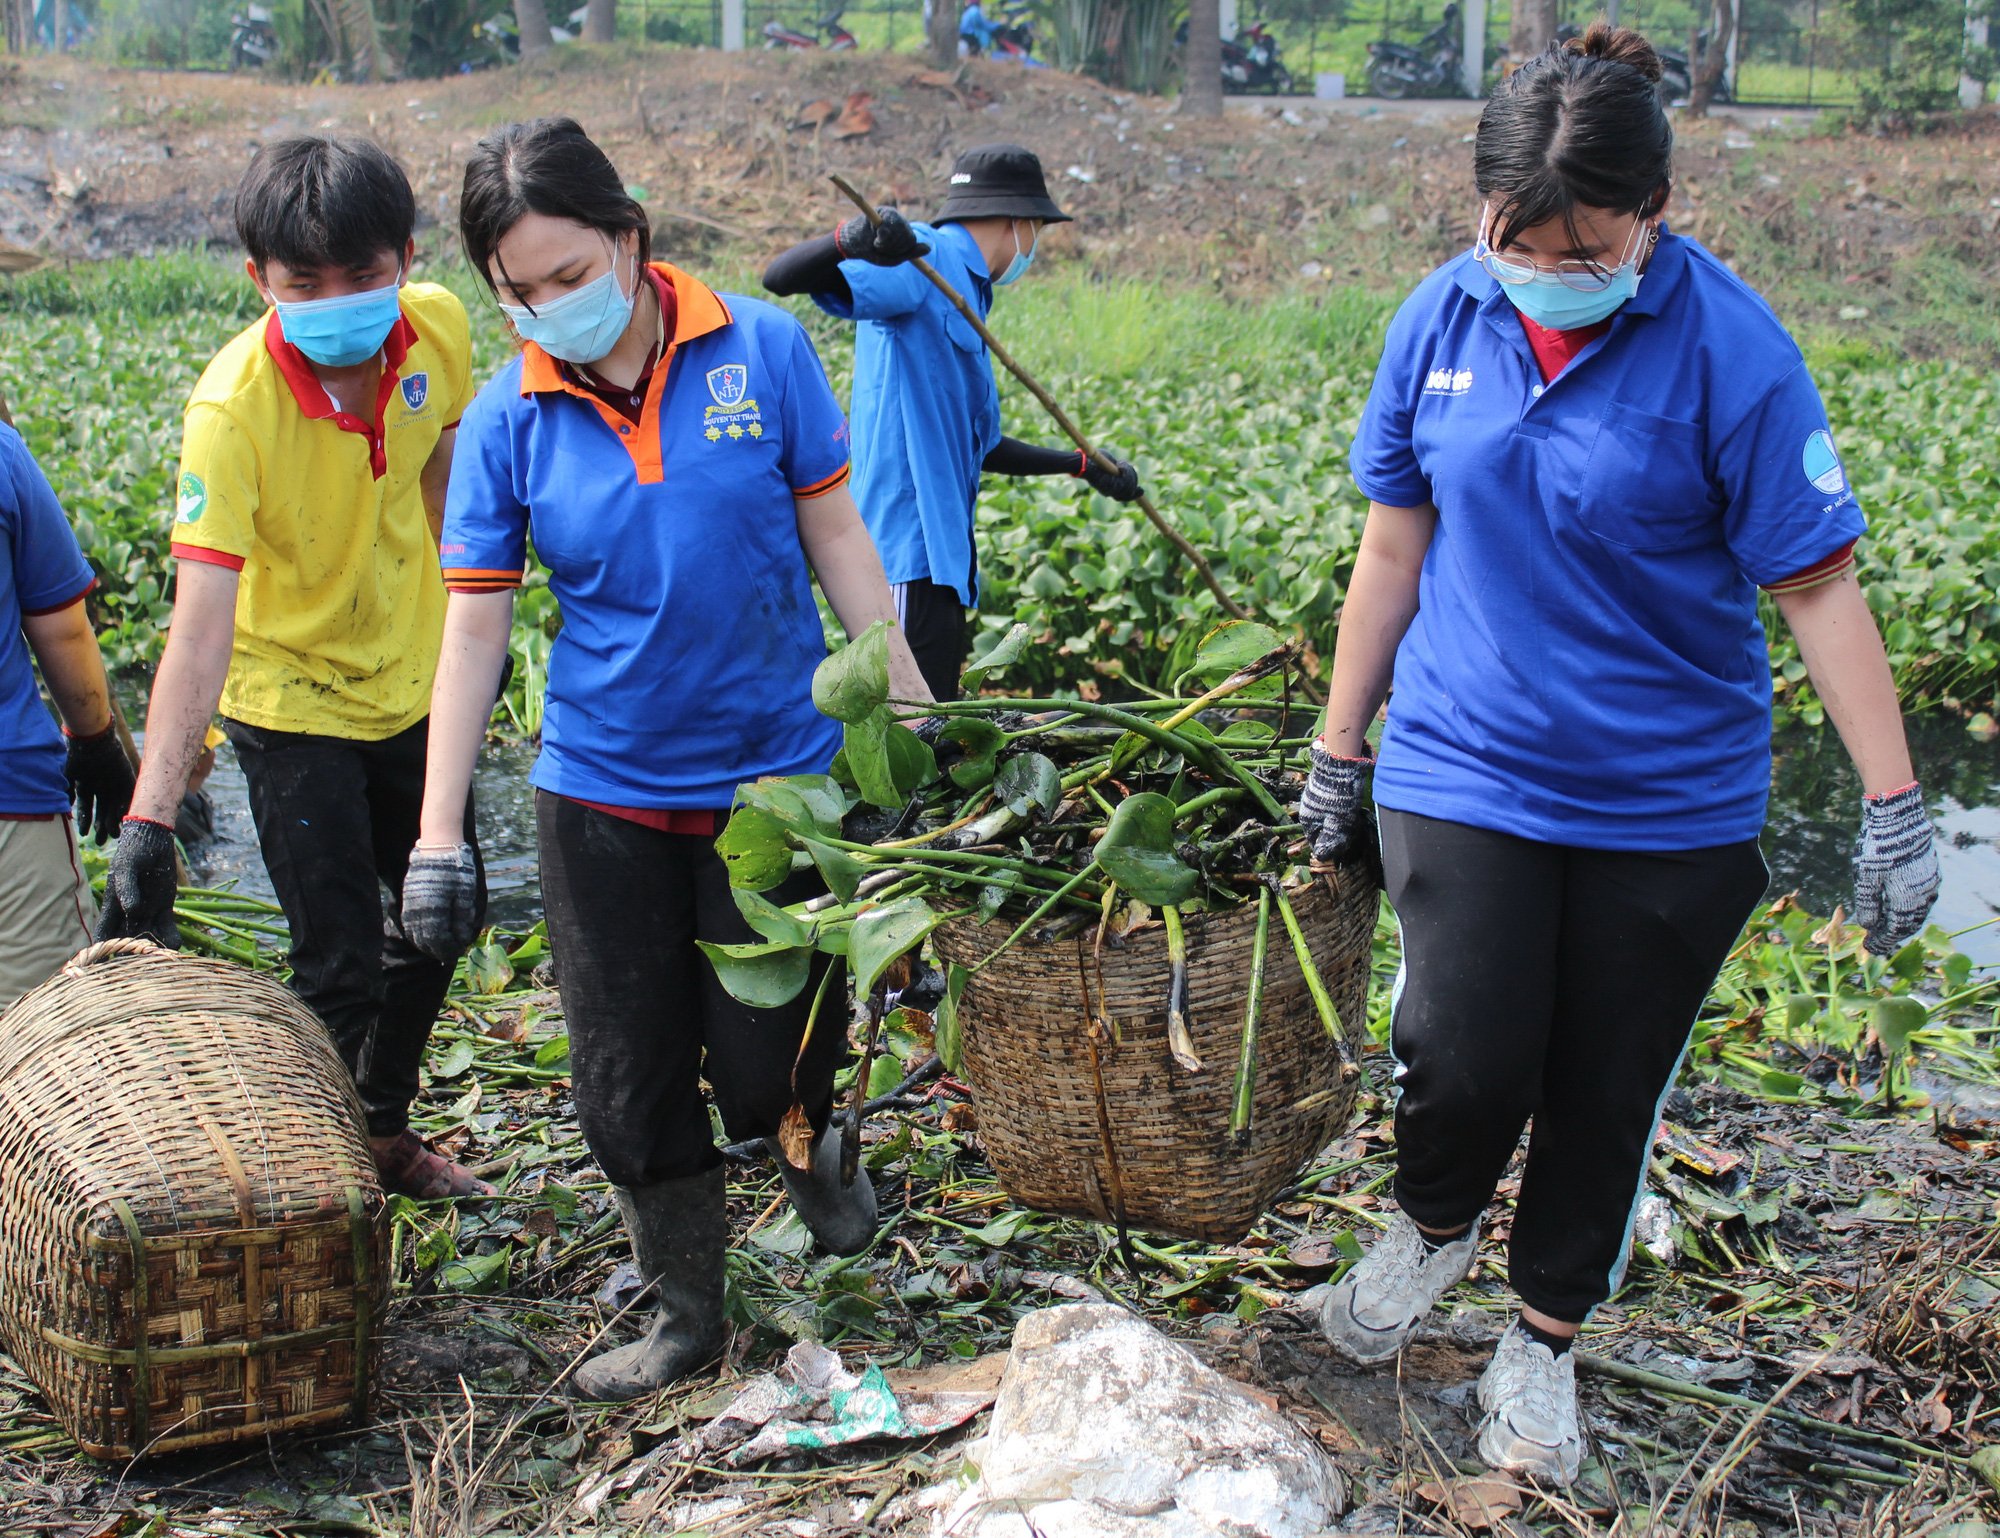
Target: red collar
pixel 318 406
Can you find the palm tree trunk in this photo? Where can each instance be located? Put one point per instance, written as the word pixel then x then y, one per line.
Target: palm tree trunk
pixel 1201 90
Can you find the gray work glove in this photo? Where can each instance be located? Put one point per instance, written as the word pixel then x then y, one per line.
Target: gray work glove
pixel 1895 869
pixel 1334 808
pixel 887 244
pixel 140 887
pixel 441 901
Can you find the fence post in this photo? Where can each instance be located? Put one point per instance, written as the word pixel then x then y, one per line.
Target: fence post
pixel 1971 89
pixel 1472 56
pixel 732 26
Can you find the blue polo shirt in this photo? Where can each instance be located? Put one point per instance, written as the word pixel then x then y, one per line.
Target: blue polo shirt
pixel 41 571
pixel 689 631
pixel 1586 666
pixel 926 408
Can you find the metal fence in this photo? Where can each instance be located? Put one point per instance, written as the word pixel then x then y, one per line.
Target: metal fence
pixel 1786 53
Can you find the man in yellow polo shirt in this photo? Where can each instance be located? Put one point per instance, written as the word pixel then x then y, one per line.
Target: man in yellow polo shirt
pixel 314 459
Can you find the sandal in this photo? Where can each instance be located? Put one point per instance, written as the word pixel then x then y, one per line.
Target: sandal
pixel 408 1168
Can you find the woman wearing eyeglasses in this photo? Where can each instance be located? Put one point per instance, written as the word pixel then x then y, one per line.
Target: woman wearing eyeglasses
pixel 1589 445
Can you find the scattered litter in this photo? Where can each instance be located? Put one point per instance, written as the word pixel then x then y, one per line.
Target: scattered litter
pixel 1079 174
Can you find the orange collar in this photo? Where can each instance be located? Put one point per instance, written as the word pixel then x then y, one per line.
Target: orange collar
pixel 698 310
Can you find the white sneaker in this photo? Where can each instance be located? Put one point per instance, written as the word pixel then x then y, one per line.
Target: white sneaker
pixel 1529 1396
pixel 1375 1309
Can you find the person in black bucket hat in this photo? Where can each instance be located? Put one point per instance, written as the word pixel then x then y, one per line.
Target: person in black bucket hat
pixel 925 409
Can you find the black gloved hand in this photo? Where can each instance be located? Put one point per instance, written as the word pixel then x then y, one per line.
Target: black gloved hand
pixel 1895 869
pixel 100 783
pixel 1335 805
pixel 1121 485
pixel 441 901
pixel 140 886
pixel 887 244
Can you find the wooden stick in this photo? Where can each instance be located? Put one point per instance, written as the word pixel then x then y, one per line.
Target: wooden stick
pixel 1049 404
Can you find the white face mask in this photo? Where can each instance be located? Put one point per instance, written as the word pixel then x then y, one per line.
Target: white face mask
pixel 584 324
pixel 1023 260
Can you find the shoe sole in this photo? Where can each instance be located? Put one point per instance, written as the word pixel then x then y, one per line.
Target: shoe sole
pixel 1509 1459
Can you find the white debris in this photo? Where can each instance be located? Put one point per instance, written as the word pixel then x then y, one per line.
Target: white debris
pixel 1104 1428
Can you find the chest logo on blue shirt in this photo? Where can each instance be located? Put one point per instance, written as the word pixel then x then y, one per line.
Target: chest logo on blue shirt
pixel 416 390
pixel 733 416
pixel 1822 464
pixel 1448 381
pixel 729 384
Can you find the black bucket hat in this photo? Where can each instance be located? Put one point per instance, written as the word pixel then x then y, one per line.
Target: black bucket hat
pixel 999 181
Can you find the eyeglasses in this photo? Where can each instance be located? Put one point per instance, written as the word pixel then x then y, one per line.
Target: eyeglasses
pixel 1584 277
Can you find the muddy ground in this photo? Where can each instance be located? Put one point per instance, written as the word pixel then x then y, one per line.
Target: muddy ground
pixel 96 163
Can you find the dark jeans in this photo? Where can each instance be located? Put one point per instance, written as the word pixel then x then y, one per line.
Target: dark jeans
pixel 1554 984
pixel 933 621
pixel 648 1018
pixel 336 819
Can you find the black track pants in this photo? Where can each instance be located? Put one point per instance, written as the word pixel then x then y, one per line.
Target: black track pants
pixel 647 1017
pixel 933 620
pixel 1555 985
pixel 336 820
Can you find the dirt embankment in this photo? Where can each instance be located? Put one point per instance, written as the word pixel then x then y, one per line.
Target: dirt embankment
pixel 97 162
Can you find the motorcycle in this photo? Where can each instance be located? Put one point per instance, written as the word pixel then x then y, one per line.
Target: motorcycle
pixel 1249 61
pixel 838 38
pixel 1677 72
pixel 253 41
pixel 1010 40
pixel 1431 68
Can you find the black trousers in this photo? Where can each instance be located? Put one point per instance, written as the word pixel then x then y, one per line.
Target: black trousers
pixel 1552 985
pixel 933 620
pixel 647 1016
pixel 336 820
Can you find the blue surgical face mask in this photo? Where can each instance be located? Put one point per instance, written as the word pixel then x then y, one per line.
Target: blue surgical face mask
pixel 1023 260
pixel 583 325
pixel 1555 306
pixel 345 330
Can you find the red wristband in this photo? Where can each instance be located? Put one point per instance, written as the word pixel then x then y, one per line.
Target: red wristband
pixel 1082 463
pixel 1885 795
pixel 109 727
pixel 837 246
pixel 135 817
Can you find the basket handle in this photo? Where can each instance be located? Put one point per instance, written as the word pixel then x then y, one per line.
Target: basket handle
pixel 107 950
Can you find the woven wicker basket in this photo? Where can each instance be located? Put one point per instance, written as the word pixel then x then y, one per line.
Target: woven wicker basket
pixel 190 1235
pixel 1158 1136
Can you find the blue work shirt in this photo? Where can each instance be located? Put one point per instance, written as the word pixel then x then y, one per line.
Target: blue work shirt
pixel 41 572
pixel 690 633
pixel 1587 666
pixel 925 406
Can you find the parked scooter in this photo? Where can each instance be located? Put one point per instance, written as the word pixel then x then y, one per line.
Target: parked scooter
pixel 1677 73
pixel 253 41
pixel 1249 61
pixel 837 37
pixel 1431 68
pixel 504 37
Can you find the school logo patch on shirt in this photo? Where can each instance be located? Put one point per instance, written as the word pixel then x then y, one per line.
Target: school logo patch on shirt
pixel 1448 381
pixel 1822 464
pixel 728 385
pixel 416 390
pixel 190 499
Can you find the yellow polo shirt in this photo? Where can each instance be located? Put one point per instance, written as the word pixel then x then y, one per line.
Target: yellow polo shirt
pixel 341 606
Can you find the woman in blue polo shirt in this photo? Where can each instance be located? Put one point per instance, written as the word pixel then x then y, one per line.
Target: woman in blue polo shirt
pixel 680 463
pixel 1588 446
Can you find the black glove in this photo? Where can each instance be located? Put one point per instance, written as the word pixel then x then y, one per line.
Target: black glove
pixel 1895 869
pixel 887 244
pixel 1121 485
pixel 100 783
pixel 1335 805
pixel 441 901
pixel 139 888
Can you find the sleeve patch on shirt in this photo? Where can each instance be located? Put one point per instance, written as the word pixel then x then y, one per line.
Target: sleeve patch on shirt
pixel 191 500
pixel 1822 463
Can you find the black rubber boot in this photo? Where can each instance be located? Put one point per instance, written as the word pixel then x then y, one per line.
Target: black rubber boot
pixel 841 1217
pixel 680 1230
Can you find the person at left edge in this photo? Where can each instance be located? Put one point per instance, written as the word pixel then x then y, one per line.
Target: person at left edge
pixel 46 910
pixel 680 464
pixel 314 458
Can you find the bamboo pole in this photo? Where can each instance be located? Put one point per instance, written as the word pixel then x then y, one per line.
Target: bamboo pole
pixel 1054 408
